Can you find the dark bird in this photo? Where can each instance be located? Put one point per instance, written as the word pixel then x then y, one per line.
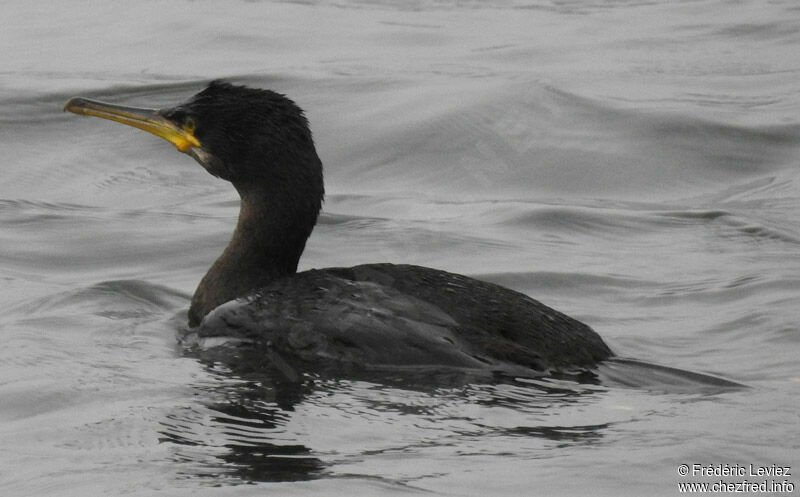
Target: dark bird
pixel 371 316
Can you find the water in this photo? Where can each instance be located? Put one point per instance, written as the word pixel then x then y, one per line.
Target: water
pixel 631 163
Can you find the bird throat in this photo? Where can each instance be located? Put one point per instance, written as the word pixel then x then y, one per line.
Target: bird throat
pixel 266 245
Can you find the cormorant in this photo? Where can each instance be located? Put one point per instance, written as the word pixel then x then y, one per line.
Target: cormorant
pixel 373 315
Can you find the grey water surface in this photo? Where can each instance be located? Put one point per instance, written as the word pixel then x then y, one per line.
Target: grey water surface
pixel 635 164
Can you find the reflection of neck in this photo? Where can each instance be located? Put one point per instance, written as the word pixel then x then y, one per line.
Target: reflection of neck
pixel 269 238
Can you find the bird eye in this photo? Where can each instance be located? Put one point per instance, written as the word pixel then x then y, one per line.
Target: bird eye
pixel 189 125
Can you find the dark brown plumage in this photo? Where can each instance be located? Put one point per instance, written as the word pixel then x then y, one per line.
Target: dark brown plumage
pixel 375 315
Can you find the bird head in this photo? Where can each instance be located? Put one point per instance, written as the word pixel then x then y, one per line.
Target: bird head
pixel 247 136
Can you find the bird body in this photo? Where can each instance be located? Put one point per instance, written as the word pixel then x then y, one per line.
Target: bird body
pixel 403 315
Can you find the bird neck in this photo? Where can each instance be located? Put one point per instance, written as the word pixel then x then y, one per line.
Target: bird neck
pixel 266 245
